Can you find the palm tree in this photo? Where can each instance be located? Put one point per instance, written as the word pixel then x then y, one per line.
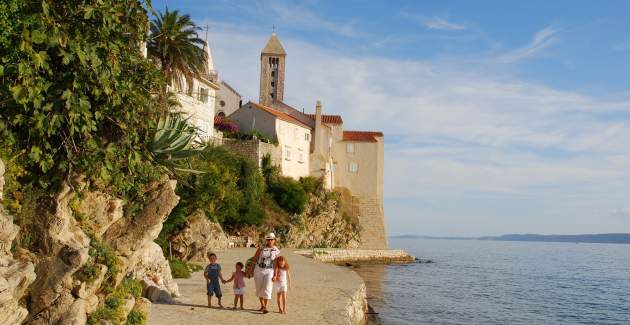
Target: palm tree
pixel 176 47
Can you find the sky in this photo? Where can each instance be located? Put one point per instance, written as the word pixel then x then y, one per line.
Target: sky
pixel 499 116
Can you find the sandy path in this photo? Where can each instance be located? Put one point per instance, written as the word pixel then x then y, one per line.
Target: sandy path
pixel 319 295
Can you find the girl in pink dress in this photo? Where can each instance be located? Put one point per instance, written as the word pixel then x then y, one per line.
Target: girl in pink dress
pixel 239 284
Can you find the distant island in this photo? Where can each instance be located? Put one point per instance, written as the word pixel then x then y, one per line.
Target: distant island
pixel 615 238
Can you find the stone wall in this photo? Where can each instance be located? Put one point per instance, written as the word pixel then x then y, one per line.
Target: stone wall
pixel 254 150
pixel 370 215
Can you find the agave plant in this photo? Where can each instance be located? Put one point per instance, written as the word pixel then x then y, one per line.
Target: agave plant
pixel 175 140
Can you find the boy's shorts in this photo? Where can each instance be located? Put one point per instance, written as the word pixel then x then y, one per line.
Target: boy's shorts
pixel 239 291
pixel 214 287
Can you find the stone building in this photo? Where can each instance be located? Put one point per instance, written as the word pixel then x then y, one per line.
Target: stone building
pixel 350 162
pixel 293 137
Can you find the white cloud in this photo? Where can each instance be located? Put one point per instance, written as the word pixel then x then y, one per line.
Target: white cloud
pixel 541 40
pixel 435 22
pixel 442 24
pixel 298 16
pixel 453 129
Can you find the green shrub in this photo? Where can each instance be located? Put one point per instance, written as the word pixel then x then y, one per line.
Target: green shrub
pixel 311 185
pixel 131 287
pixel 179 269
pixel 136 318
pixel 69 102
pixel 101 253
pixel 113 309
pixel 229 191
pixel 289 194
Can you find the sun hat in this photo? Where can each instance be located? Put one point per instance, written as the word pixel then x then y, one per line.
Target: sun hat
pixel 270 236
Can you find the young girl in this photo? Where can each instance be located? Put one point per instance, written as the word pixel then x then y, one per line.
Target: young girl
pixel 239 284
pixel 282 280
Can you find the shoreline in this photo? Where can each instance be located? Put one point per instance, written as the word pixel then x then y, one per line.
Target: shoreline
pixel 321 293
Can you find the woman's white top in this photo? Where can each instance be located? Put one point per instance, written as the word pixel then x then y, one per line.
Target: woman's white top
pixel 267 256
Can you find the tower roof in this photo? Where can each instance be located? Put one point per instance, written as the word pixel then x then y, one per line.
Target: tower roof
pixel 273 46
pixel 209 71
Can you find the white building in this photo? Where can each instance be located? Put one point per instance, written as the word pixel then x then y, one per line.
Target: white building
pixel 293 136
pixel 198 98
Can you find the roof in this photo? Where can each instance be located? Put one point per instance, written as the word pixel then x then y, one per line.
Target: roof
pixel 223 82
pixel 328 119
pixel 362 136
pixel 273 46
pixel 283 116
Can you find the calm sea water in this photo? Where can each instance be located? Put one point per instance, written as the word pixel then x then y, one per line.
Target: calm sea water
pixel 492 282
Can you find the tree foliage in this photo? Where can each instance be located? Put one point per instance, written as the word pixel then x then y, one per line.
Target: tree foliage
pixel 76 94
pixel 175 45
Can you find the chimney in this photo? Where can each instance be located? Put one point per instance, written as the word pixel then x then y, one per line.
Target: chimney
pixel 316 137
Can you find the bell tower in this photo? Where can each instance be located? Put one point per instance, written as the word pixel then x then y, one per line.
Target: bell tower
pixel 272 59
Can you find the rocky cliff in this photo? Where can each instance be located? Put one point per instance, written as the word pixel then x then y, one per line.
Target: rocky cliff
pixel 322 224
pixel 15 276
pixel 86 248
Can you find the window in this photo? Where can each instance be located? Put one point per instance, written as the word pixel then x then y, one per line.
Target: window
pixel 307 136
pixel 350 148
pixel 203 95
pixel 287 153
pixel 353 167
pixel 222 103
pixel 295 133
pixel 300 157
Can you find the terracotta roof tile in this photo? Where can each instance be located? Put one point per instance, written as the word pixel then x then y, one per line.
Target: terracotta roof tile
pixel 328 119
pixel 283 116
pixel 363 136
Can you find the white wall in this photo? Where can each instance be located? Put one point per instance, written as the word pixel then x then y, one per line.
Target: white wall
pixel 294 140
pixel 201 114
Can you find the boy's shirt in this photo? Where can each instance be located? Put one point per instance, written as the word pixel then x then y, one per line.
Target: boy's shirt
pixel 213 271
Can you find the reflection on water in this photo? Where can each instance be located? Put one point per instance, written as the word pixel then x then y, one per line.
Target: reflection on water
pixel 374 278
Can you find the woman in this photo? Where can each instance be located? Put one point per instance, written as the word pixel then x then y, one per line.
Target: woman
pixel 265 259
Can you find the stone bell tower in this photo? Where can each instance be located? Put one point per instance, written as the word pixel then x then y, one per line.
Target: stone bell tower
pixel 272 59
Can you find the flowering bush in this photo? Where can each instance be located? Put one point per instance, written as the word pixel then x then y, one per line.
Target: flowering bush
pixel 226 126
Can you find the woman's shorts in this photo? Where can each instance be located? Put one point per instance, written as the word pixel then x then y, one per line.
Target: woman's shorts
pixel 280 287
pixel 239 291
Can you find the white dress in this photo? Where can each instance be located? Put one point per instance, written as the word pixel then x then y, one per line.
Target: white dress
pixel 282 284
pixel 263 272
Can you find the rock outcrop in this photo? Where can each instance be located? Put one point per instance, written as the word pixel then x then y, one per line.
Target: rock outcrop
pixel 15 276
pixel 198 237
pixel 132 238
pixel 60 295
pixel 322 224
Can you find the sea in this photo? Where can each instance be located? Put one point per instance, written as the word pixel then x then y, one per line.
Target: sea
pixel 500 282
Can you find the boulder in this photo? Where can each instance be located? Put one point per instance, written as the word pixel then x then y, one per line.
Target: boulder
pixel 143 306
pixel 155 293
pixel 154 269
pixel 198 237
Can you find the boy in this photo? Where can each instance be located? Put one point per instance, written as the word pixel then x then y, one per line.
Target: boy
pixel 212 275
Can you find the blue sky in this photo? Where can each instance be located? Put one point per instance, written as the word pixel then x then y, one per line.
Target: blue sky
pixel 499 116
